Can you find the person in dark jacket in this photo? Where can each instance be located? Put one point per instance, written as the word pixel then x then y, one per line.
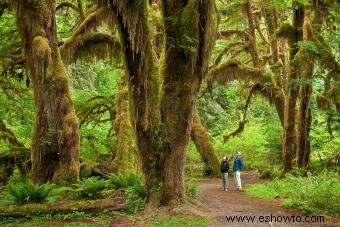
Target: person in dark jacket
pixel 238 166
pixel 224 173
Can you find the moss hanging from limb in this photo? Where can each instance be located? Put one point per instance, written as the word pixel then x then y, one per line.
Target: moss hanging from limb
pixel 126 158
pixel 100 45
pixel 202 140
pixel 236 70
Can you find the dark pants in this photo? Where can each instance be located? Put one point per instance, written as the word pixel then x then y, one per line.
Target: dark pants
pixel 224 180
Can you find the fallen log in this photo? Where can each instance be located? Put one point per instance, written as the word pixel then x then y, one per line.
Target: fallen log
pixel 63 207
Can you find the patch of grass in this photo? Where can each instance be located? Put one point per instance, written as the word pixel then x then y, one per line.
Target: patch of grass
pixel 180 221
pixel 311 195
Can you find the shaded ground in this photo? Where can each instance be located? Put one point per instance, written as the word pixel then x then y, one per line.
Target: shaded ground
pixel 217 204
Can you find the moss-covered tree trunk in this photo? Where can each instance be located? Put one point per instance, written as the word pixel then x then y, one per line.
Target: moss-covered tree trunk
pixel 55 142
pixel 132 21
pixel 201 139
pixel 306 66
pixel 289 138
pixel 126 157
pixel 190 35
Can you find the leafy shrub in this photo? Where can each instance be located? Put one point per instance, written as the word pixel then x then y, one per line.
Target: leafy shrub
pixel 313 195
pixel 125 180
pixel 89 188
pixel 21 193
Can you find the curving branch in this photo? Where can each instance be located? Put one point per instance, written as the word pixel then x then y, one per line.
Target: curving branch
pixel 67 5
pixel 94 109
pixel 243 121
pixel 225 34
pixel 100 45
pixel 236 70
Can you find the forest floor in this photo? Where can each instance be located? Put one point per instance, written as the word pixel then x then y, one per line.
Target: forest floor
pixel 216 204
pixel 213 204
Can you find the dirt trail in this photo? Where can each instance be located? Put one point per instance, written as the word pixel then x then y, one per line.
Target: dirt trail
pixel 217 204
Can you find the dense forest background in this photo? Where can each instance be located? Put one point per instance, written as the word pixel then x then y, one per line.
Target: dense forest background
pixel 269 89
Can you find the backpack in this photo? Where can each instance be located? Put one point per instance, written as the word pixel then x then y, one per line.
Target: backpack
pixel 224 166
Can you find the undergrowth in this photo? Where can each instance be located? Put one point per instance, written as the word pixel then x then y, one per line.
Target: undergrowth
pixel 24 192
pixel 311 195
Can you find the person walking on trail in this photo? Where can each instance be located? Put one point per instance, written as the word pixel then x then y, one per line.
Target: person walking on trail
pixel 224 173
pixel 238 166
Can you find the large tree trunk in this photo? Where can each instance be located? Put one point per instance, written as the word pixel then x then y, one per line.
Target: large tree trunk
pixel 201 139
pixel 305 61
pixel 190 36
pixel 143 87
pixel 289 138
pixel 55 143
pixel 126 157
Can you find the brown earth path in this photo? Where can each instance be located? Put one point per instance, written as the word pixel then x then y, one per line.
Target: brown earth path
pixel 216 204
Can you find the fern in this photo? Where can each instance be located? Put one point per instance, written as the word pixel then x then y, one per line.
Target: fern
pixel 21 193
pixel 125 180
pixel 89 188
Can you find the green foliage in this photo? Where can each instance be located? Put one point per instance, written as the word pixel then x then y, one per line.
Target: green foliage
pixel 89 188
pixel 311 195
pixel 134 189
pixel 22 192
pixel 125 180
pixel 180 221
pixel 309 46
pixel 135 198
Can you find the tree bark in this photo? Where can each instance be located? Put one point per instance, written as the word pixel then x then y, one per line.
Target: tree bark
pixel 201 139
pixel 55 142
pixel 143 87
pixel 190 36
pixel 289 138
pixel 306 67
pixel 126 157
pixel 162 141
